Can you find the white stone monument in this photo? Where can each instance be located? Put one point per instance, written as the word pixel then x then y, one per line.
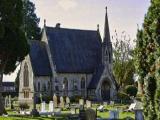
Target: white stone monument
pixel 43 107
pixel 88 104
pixel 51 109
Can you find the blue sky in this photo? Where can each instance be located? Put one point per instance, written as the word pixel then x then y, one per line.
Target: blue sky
pixel 124 15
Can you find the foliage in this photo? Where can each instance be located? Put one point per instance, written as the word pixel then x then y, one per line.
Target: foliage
pixel 13 43
pixel 31 21
pixel 131 90
pixel 23 106
pixel 123 65
pixel 147 60
pixel 123 96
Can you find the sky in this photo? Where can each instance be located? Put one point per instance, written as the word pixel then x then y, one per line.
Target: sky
pixel 123 15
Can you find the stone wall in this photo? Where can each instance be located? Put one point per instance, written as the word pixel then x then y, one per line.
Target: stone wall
pixel 30 88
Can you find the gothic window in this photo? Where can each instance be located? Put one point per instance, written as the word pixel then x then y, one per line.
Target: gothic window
pixel 26 76
pixel 57 89
pixel 44 87
pixel 83 83
pixel 65 84
pixel 26 94
pixel 39 86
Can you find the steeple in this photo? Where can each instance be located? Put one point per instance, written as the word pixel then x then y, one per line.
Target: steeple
pixel 107 45
pixel 106 30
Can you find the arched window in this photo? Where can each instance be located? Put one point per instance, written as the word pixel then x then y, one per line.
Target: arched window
pixel 83 83
pixel 39 86
pixel 44 87
pixel 65 84
pixel 25 76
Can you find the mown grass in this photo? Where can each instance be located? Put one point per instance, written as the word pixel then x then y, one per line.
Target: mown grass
pixel 122 115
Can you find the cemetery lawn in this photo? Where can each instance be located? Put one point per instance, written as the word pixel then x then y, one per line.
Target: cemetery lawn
pixel 63 116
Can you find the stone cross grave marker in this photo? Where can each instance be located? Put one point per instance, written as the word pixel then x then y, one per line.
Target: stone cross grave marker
pixel 43 107
pixel 55 102
pixel 62 102
pixel 51 106
pixel 88 104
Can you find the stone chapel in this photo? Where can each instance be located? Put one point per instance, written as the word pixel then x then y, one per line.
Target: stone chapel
pixel 69 62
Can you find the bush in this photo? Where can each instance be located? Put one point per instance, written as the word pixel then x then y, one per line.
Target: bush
pixel 75 98
pixel 123 96
pixel 23 106
pixel 131 90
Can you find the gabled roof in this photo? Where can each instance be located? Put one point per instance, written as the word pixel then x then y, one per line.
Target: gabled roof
pixel 74 51
pixel 39 59
pixel 96 77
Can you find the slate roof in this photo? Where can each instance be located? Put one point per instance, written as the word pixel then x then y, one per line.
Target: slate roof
pixel 39 59
pixel 8 84
pixel 96 77
pixel 74 51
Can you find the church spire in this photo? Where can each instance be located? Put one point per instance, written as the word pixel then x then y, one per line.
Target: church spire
pixel 106 30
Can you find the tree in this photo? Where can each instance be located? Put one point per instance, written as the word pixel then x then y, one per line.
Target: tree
pixel 13 43
pixel 123 67
pixel 31 21
pixel 147 60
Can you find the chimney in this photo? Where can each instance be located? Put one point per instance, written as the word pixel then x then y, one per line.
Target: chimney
pixel 58 25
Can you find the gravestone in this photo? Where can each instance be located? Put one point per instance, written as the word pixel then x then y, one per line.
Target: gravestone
pixel 81 102
pixel 9 101
pixel 88 104
pixel 67 100
pixel 6 101
pixel 51 106
pixel 90 114
pixel 73 110
pixel 62 102
pixel 55 101
pixel 114 114
pixel 139 115
pixel 43 107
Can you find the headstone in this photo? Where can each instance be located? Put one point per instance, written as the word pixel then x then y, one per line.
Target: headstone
pixel 88 104
pixel 111 102
pixel 67 100
pixel 62 102
pixel 139 115
pixel 6 101
pixel 114 114
pixel 73 111
pixel 90 114
pixel 55 102
pixel 81 102
pixel 51 106
pixel 136 106
pixel 43 107
pixel 9 102
pixel 100 108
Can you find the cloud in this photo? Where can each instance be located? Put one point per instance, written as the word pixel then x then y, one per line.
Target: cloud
pixel 67 4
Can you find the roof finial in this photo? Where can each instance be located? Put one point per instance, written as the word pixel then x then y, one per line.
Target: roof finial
pixel 44 22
